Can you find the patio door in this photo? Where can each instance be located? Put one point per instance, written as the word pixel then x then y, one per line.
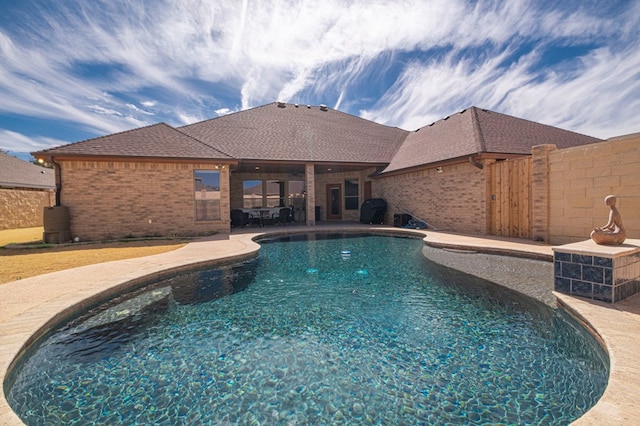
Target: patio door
pixel 334 198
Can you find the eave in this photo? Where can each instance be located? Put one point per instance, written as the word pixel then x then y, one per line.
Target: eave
pixel 49 157
pixel 474 158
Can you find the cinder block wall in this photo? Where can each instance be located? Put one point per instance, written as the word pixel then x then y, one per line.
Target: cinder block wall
pixel 23 208
pixel 451 200
pixel 581 177
pixel 116 199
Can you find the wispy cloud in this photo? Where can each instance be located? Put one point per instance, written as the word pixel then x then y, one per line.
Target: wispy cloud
pixel 596 93
pixel 106 66
pixel 13 141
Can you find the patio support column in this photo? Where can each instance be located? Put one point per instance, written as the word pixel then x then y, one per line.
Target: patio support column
pixel 311 194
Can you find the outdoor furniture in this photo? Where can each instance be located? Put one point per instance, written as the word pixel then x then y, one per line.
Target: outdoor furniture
pixel 373 211
pixel 266 217
pixel 284 216
pixel 239 218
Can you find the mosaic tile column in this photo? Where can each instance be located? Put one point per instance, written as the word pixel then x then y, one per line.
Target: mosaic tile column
pixel 605 273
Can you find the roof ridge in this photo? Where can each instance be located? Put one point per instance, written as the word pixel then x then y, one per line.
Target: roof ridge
pixel 203 143
pixel 477 130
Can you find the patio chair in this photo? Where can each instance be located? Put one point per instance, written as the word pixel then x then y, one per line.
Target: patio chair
pixel 239 219
pixel 284 216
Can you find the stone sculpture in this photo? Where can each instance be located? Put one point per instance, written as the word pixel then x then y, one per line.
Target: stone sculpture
pixel 613 233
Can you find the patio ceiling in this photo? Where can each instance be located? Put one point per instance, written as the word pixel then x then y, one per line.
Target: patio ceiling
pixel 298 168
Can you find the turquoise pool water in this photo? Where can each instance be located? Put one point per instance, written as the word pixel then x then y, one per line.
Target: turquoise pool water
pixel 320 329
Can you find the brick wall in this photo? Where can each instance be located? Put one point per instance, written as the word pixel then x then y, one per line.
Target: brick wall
pixel 323 179
pixel 115 199
pixel 581 177
pixel 22 208
pixel 451 200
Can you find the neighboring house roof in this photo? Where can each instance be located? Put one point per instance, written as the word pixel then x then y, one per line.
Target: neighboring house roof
pixel 156 141
pixel 475 131
pixel 289 132
pixel 16 173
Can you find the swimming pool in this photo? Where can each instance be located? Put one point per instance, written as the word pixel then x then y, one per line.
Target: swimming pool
pixel 318 330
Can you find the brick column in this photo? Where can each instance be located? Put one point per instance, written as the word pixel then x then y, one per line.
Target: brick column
pixel 311 193
pixel 540 191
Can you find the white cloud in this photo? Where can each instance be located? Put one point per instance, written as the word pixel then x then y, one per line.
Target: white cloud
pixel 418 99
pixel 223 111
pixel 185 118
pixel 141 111
pixel 602 100
pixel 596 94
pixel 14 141
pixel 84 62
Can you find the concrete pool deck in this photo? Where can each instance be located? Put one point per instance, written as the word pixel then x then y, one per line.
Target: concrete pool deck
pixel 30 307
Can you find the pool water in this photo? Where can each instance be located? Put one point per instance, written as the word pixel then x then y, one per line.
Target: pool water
pixel 319 329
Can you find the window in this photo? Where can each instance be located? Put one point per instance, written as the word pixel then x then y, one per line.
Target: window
pixel 351 194
pixel 252 194
pixel 207 194
pixel 275 193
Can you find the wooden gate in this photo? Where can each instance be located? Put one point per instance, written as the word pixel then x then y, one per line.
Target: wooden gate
pixel 511 198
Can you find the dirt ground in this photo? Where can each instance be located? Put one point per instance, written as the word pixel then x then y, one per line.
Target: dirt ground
pixel 33 258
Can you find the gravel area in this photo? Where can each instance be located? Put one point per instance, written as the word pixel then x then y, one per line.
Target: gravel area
pixel 533 278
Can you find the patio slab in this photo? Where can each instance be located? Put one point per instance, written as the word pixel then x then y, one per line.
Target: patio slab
pixel 30 307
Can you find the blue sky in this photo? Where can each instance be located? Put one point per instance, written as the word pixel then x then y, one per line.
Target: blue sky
pixel 76 69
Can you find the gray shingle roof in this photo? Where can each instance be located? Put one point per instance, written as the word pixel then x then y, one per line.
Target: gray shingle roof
pixel 473 131
pixel 156 141
pixel 18 173
pixel 300 133
pixel 287 132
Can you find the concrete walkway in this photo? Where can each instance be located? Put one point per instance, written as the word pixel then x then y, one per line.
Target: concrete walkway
pixel 31 307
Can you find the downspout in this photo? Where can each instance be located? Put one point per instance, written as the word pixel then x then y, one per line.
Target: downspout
pixel 58 175
pixel 475 163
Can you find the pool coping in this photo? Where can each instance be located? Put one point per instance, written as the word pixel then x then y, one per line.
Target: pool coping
pixel 30 307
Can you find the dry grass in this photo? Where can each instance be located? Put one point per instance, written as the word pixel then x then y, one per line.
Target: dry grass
pixel 24 235
pixel 35 259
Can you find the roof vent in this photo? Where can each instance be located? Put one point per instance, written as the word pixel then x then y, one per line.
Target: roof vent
pixel 308 106
pixel 281 104
pixel 323 107
pixel 296 105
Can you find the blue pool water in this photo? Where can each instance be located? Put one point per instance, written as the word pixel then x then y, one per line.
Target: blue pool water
pixel 320 329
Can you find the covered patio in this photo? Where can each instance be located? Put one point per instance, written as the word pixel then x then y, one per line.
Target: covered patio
pixel 311 191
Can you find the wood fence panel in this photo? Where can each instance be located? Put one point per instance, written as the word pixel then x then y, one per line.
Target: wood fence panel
pixel 511 198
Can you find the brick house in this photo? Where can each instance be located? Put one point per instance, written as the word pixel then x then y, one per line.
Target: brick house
pixel 161 180
pixel 25 190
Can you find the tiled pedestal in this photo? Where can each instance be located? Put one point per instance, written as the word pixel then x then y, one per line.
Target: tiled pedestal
pixel 606 273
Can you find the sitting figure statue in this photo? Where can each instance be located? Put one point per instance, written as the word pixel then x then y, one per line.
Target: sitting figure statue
pixel 613 233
